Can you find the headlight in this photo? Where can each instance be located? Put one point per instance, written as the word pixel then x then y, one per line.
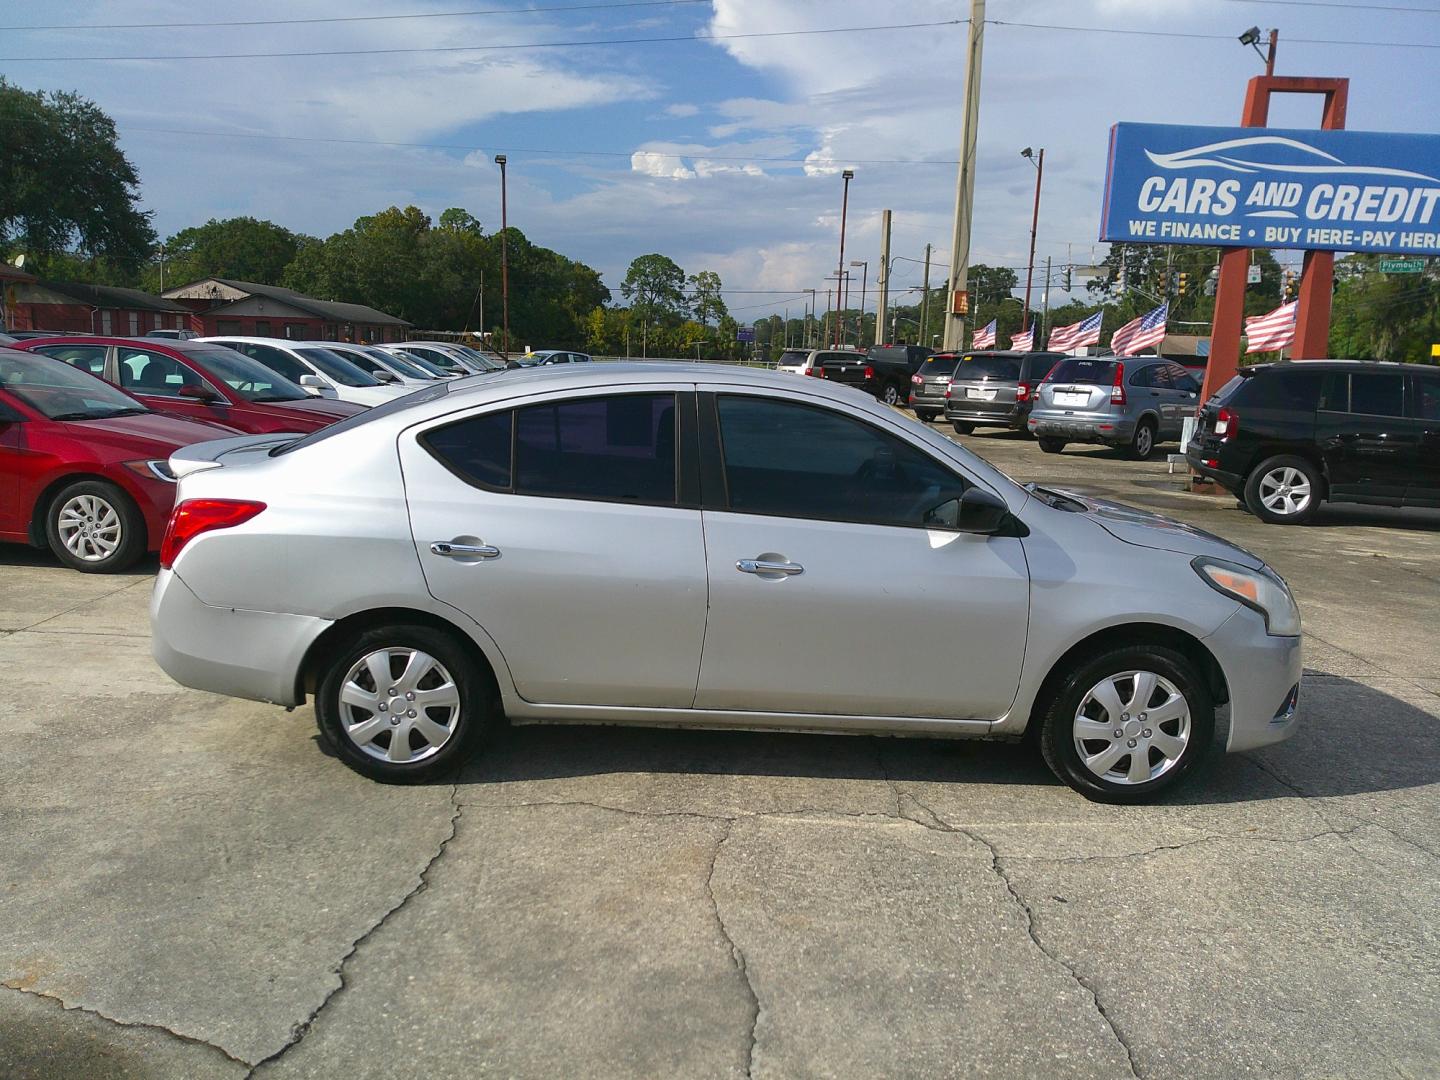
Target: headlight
pixel 158 469
pixel 1263 590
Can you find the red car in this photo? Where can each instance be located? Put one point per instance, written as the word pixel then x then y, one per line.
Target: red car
pixel 198 381
pixel 83 467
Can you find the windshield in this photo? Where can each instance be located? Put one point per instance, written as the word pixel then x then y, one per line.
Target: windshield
pixel 377 360
pixel 337 367
pixel 981 366
pixel 1088 370
pixel 938 365
pixel 250 379
pixel 60 392
pixel 437 358
pixel 403 364
pixel 434 370
pixel 484 362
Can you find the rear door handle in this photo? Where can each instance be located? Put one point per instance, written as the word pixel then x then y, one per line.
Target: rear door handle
pixel 765 566
pixel 464 551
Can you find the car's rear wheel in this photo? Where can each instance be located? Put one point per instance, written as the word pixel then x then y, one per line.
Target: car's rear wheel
pixel 1284 490
pixel 961 427
pixel 890 396
pixel 1129 723
pixel 1051 446
pixel 1142 444
pixel 403 704
pixel 925 415
pixel 94 527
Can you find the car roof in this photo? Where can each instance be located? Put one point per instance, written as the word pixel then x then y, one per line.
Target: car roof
pixel 1331 365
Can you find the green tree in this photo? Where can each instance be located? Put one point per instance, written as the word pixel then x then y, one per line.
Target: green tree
pixel 65 184
pixel 706 299
pixel 655 287
pixel 245 248
pixel 1378 316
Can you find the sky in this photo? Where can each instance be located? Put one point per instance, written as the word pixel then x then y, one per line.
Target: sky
pixel 721 147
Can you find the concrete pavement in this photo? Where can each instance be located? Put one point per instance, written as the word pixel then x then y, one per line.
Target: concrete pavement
pixel 192 888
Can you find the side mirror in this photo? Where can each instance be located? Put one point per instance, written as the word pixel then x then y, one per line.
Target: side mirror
pixel 982 512
pixel 312 383
pixel 198 392
pixel 386 376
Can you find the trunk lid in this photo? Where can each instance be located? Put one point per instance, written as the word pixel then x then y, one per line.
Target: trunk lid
pixel 221 452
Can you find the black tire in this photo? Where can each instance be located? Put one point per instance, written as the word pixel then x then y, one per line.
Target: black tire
pixel 925 416
pixel 1142 443
pixel 90 514
pixel 962 428
pixel 1267 492
pixel 1058 735
pixel 1051 446
pixel 477 713
pixel 889 395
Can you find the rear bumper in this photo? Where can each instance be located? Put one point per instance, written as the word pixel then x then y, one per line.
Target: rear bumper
pixel 232 651
pixel 1091 429
pixel 1011 416
pixel 927 401
pixel 1264 677
pixel 1195 459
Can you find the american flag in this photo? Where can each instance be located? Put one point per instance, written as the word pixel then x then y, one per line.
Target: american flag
pixel 1023 342
pixel 1266 333
pixel 1145 332
pixel 1084 332
pixel 984 338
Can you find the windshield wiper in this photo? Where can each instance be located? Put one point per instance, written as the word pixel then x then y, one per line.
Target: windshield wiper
pixel 277 398
pixel 99 416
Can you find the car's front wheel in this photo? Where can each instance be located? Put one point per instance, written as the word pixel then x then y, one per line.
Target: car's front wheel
pixel 94 527
pixel 1284 490
pixel 403 704
pixel 1142 445
pixel 1129 723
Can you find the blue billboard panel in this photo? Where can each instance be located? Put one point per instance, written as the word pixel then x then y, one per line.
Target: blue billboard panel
pixel 1273 188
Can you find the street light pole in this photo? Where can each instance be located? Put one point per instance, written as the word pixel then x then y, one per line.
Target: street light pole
pixel 847 176
pixel 809 322
pixel 1034 223
pixel 504 259
pixel 864 265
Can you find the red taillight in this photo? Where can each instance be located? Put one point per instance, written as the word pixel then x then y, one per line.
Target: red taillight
pixel 869 372
pixel 947 390
pixel 817 372
pixel 195 516
pixel 917 380
pixel 1022 392
pixel 1227 422
pixel 1117 389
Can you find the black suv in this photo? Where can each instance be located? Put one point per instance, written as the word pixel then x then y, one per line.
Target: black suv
pixel 1285 437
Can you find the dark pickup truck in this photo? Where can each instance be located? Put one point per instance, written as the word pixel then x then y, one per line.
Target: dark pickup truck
pixel 884 371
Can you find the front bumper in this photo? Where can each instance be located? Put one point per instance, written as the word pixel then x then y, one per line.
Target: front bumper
pixel 1082 429
pixel 1264 677
pixel 225 650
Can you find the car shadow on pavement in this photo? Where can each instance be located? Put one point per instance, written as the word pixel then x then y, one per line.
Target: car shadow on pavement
pixel 1333 753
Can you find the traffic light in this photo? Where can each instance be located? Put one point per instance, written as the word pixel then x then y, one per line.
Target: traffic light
pixel 1184 282
pixel 1067 279
pixel 1290 287
pixel 1164 282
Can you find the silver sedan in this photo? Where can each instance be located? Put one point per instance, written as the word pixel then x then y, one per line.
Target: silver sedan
pixel 627 543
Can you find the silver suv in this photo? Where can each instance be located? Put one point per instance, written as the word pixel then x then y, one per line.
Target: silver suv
pixel 1132 403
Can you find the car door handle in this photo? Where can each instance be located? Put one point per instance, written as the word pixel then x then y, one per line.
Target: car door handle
pixel 464 551
pixel 765 566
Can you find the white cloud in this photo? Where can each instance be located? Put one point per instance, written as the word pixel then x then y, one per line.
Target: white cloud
pixel 682 110
pixel 665 166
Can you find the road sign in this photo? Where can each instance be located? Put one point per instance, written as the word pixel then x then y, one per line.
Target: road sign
pixel 1402 266
pixel 745 333
pixel 960 302
pixel 1252 275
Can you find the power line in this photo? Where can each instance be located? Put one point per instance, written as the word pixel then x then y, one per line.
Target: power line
pixel 667 40
pixel 470 148
pixel 1338 4
pixel 1209 37
pixel 357 18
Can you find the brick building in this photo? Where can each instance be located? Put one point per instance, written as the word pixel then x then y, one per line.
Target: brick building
pixel 35 304
pixel 227 306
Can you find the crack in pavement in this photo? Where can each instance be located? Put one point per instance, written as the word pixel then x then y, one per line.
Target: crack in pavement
pixel 1241 837
pixel 77 607
pixel 300 1030
pixel 736 954
pixel 139 1024
pixel 936 823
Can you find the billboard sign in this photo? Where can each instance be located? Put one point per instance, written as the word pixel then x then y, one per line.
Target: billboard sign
pixel 745 333
pixel 1273 188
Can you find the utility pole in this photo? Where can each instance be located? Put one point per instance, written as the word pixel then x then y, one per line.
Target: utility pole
pixel 925 301
pixel 847 176
pixel 1045 316
pixel 1025 322
pixel 884 282
pixel 810 320
pixel 965 179
pixel 504 258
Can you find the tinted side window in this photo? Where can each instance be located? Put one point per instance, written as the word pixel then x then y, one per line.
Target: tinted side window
pixel 152 373
pixel 1294 391
pixel 619 448
pixel 1428 398
pixel 790 460
pixel 89 358
pixel 1335 392
pixel 1144 377
pixel 477 449
pixel 1374 394
pixel 1182 379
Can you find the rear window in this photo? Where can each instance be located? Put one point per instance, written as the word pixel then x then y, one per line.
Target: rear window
pixel 1297 391
pixel 792 357
pixel 1087 370
pixel 939 365
pixel 894 354
pixel 989 367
